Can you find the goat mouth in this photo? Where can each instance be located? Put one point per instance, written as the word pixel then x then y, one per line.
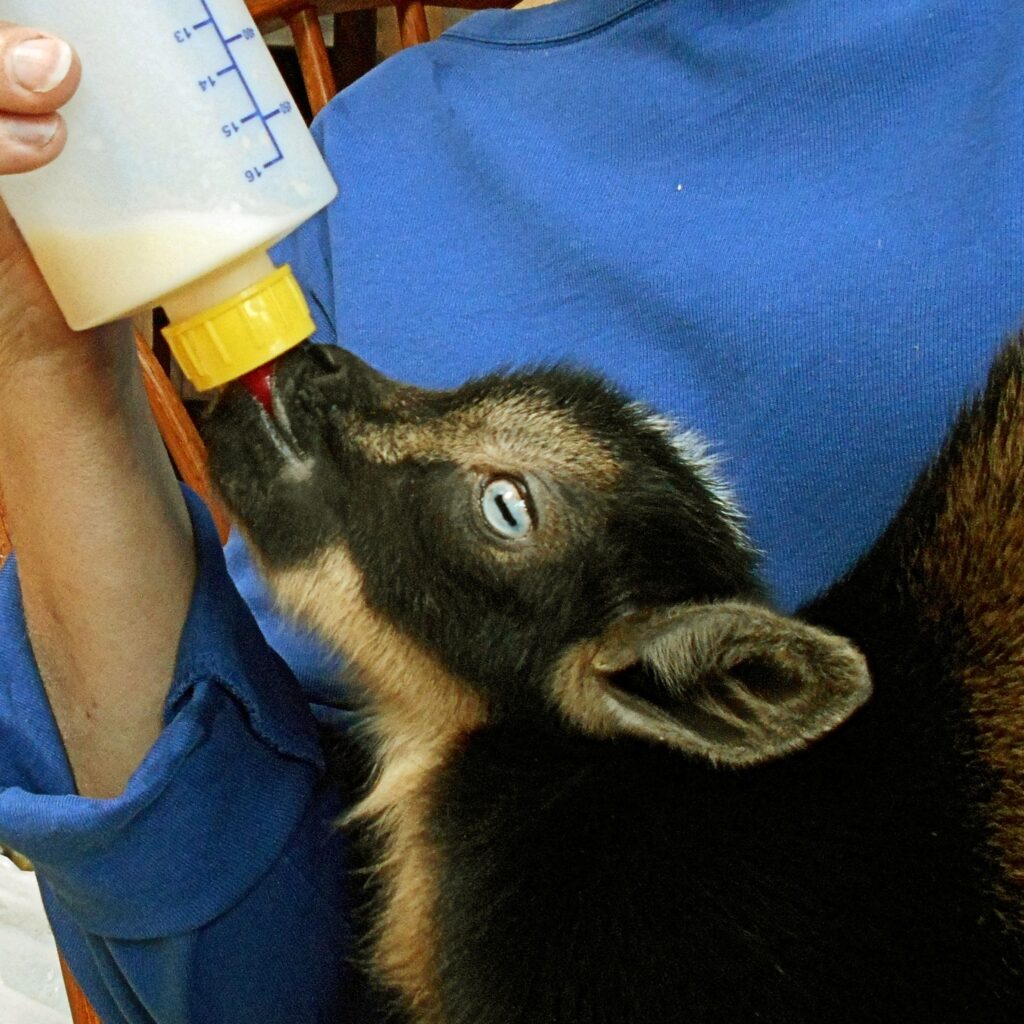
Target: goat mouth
pixel 278 428
pixel 261 384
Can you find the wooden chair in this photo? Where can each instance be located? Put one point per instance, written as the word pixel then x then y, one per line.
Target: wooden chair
pixel 179 433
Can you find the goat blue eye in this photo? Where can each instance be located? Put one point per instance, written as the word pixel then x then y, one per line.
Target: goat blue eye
pixel 506 508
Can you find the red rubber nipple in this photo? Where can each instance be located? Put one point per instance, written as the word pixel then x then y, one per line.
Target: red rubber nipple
pixel 259 384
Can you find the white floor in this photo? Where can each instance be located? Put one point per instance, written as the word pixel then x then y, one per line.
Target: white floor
pixel 31 988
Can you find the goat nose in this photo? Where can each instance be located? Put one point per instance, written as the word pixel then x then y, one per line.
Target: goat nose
pixel 334 361
pixel 343 378
pixel 326 358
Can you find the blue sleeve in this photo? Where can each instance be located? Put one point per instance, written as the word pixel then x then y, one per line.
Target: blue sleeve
pixel 212 889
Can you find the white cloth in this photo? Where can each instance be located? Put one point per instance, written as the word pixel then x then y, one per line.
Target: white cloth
pixel 31 987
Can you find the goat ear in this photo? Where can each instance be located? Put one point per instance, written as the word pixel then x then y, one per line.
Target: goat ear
pixel 731 683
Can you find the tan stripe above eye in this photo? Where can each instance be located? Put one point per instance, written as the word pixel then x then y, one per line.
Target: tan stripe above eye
pixel 518 434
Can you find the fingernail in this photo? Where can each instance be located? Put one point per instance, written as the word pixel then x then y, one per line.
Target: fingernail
pixel 32 131
pixel 40 65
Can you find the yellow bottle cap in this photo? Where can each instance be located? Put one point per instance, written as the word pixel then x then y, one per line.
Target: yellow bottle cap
pixel 251 328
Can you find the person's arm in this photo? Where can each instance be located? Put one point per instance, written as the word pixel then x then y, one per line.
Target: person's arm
pixel 100 531
pixel 211 885
pixel 214 886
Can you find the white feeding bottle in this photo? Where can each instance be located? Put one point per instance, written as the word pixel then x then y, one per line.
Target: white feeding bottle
pixel 186 159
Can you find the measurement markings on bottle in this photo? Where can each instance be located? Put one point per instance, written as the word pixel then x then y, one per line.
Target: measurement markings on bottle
pixel 233 68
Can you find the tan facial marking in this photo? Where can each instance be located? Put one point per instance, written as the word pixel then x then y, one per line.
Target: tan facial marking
pixel 417 713
pixel 977 573
pixel 522 432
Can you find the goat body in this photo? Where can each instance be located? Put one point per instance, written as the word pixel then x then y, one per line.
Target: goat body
pixel 610 785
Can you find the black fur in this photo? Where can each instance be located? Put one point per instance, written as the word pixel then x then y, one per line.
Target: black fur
pixel 616 881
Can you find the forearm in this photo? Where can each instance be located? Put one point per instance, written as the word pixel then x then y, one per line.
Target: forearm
pixel 102 537
pixel 104 547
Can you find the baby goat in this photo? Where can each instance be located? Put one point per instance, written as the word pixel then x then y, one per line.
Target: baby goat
pixel 611 786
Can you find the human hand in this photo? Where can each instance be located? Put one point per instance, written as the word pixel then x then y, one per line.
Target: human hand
pixel 38 75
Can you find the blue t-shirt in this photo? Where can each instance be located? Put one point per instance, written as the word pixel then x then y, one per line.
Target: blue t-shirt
pixel 796 226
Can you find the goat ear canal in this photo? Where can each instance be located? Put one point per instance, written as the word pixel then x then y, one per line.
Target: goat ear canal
pixel 733 684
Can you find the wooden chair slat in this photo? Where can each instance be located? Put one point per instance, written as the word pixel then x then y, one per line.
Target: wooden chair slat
pixel 5 537
pixel 183 442
pixel 412 22
pixel 81 1010
pixel 314 61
